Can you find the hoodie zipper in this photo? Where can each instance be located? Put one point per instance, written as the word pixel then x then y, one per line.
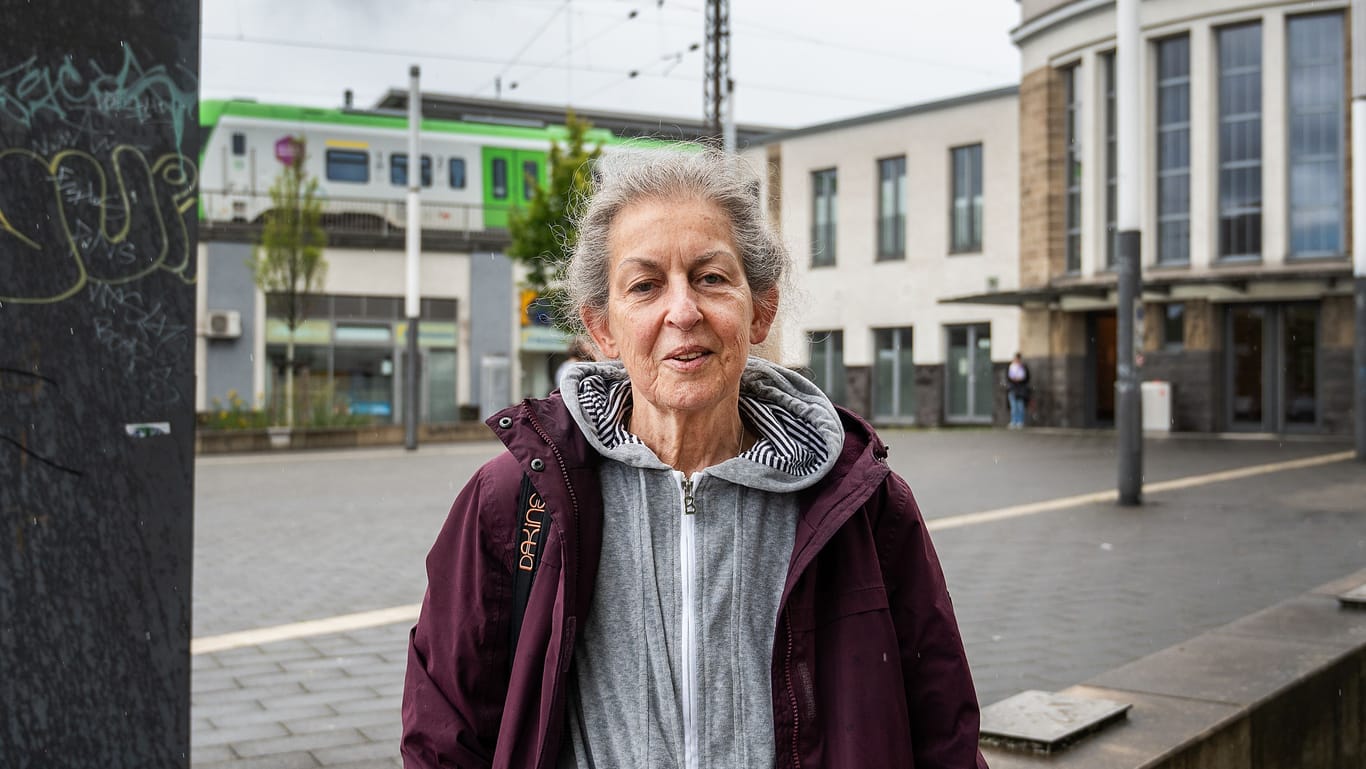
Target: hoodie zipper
pixel 688 562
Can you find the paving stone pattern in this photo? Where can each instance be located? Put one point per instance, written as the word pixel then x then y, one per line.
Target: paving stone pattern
pixel 1043 601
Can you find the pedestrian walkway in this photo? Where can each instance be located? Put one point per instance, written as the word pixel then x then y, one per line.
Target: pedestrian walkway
pixel 1053 583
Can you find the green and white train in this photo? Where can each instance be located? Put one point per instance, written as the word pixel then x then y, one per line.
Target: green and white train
pixel 473 174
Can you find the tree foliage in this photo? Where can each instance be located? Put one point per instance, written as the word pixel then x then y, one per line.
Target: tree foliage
pixel 288 263
pixel 543 234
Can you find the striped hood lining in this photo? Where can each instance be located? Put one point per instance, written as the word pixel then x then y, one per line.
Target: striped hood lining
pixel 798 429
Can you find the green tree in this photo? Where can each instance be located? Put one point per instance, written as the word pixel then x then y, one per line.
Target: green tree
pixel 288 262
pixel 543 233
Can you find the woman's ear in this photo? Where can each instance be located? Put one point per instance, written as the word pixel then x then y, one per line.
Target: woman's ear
pixel 601 332
pixel 765 308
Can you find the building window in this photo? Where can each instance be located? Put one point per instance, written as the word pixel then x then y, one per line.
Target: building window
pixel 893 375
pixel 1240 141
pixel 823 218
pixel 348 166
pixel 826 349
pixel 1317 127
pixel 398 169
pixel 966 214
pixel 1173 326
pixel 1173 151
pixel 891 218
pixel 239 144
pixel 457 173
pixel 1111 160
pixel 1073 166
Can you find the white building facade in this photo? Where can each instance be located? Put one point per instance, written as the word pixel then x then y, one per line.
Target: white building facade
pixel 886 215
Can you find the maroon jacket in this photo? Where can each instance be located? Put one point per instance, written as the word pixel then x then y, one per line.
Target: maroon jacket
pixel 868 666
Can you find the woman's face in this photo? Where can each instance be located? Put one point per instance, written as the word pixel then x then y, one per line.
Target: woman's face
pixel 680 314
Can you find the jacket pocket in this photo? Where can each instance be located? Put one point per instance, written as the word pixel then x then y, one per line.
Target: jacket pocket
pixel 833 606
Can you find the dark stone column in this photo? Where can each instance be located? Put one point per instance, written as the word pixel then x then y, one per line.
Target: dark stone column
pixel 929 395
pixel 858 393
pixel 98 149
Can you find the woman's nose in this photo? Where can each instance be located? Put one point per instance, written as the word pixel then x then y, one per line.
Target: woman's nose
pixel 682 309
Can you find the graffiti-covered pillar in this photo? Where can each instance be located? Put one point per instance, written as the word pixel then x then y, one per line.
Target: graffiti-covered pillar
pixel 98 169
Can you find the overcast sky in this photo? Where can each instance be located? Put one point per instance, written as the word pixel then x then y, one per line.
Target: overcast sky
pixel 795 62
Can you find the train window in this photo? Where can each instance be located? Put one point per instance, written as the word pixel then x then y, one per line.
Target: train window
pixel 239 144
pixel 531 178
pixel 458 173
pixel 398 169
pixel 500 178
pixel 348 166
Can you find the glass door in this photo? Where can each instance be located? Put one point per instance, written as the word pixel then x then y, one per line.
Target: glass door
pixel 1299 367
pixel 970 386
pixel 893 376
pixel 1247 364
pixel 1271 363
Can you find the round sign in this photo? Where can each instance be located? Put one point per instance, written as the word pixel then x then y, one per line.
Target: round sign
pixel 286 150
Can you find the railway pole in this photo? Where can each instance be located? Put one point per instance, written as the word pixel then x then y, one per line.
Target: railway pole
pixel 1128 406
pixel 1359 220
pixel 413 239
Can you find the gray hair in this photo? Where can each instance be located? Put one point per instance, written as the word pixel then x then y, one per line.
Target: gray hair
pixel 623 178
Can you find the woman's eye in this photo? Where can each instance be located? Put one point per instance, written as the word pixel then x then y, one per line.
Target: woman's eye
pixel 712 279
pixel 641 287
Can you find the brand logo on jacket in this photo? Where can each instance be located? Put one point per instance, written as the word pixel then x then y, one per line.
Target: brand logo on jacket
pixel 531 530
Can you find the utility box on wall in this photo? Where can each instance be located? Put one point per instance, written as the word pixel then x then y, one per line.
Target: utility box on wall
pixel 99 144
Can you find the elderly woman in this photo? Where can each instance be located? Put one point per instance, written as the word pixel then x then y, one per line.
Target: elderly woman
pixel 727 574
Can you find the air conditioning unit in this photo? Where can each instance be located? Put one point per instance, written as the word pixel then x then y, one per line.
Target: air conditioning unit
pixel 223 324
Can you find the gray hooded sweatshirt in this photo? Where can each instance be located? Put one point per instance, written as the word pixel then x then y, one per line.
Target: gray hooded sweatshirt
pixel 672 665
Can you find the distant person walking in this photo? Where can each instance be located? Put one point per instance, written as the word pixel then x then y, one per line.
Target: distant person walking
pixel 1017 391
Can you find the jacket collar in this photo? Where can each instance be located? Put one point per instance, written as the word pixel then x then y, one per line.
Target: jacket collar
pixel 543 429
pixel 860 469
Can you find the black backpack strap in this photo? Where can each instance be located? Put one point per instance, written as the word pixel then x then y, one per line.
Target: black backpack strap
pixel 532 521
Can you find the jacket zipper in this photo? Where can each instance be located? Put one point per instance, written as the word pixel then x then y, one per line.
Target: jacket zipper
pixel 688 563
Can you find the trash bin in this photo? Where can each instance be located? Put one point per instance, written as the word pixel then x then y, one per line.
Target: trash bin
pixel 1157 406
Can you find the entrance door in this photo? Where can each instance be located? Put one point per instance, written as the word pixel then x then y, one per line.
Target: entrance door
pixel 1103 328
pixel 1271 365
pixel 970 386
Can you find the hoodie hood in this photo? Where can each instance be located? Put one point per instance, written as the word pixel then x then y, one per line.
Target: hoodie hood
pixel 799 431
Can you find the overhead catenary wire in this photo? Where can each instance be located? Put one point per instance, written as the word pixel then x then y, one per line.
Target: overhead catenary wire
pixel 530 41
pixel 672 14
pixel 572 48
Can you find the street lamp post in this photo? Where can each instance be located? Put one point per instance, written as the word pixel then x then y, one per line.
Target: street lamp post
pixel 413 241
pixel 1359 220
pixel 1128 405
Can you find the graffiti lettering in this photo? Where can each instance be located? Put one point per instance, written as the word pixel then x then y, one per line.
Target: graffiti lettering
pixel 69 95
pixel 101 222
pixel 141 337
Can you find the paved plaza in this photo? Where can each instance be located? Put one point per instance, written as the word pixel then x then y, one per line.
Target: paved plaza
pixel 1051 588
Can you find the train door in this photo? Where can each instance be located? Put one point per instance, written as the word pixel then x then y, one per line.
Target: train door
pixel 510 178
pixel 233 199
